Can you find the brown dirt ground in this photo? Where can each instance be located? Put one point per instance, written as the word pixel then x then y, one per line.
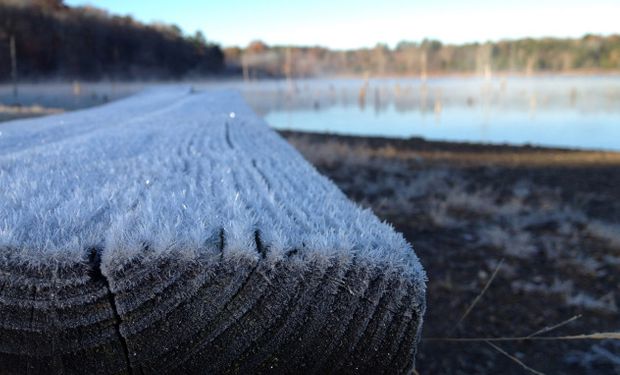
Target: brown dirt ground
pixel 552 215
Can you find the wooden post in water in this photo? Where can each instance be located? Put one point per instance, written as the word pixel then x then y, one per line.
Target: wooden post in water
pixel 13 66
pixel 245 67
pixel 361 98
pixel 423 77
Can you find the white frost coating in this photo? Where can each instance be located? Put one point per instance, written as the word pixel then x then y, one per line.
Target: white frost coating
pixel 172 169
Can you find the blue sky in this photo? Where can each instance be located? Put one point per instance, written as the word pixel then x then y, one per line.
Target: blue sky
pixel 360 23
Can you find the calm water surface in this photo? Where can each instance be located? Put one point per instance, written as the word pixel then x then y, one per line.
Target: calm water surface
pixel 563 111
pixel 572 112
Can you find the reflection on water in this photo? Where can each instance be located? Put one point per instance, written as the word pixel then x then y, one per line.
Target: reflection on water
pixel 581 112
pixel 566 128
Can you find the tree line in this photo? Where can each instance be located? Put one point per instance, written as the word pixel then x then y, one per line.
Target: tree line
pixel 591 53
pixel 42 39
pixel 47 39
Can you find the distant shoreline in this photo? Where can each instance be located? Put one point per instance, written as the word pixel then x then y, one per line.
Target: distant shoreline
pixel 462 152
pixel 230 78
pixel 576 73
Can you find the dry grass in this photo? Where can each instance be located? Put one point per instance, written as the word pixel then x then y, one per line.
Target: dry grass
pixel 534 157
pixel 513 358
pixel 464 208
pixel 479 296
pixel 10 112
pixel 585 336
pixel 31 110
pixel 534 336
pixel 605 231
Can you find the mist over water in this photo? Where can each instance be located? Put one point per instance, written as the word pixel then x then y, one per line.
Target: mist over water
pixel 574 112
pixel 560 111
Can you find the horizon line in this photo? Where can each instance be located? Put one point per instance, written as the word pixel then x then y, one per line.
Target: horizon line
pixel 419 41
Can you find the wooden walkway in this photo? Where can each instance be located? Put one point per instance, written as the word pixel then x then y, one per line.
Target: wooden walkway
pixel 174 232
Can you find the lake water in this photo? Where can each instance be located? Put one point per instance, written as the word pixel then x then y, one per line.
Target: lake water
pixel 574 112
pixel 562 111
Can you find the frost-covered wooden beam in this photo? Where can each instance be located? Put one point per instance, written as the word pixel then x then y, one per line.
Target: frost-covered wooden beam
pixel 175 232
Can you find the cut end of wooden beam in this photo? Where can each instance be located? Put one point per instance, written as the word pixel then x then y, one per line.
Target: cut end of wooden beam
pixel 161 234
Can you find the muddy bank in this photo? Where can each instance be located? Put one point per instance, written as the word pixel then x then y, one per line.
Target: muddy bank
pixel 551 216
